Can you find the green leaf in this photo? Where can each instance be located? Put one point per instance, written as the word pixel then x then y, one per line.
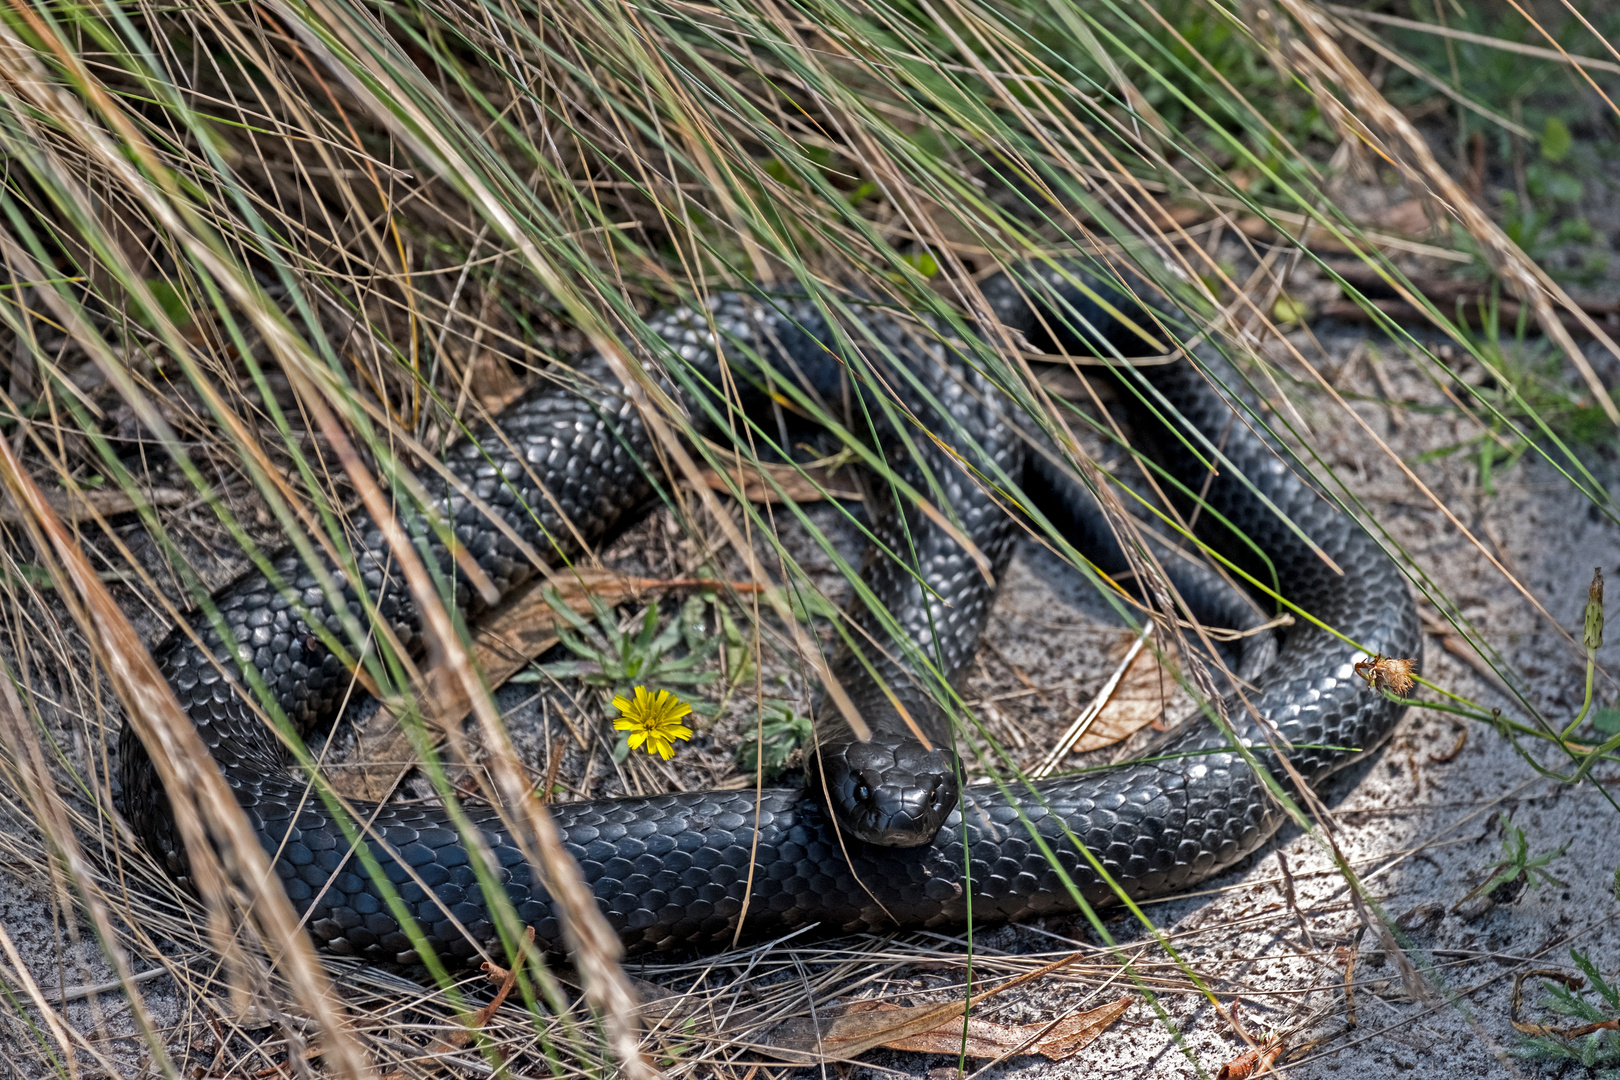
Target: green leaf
pixel 1288 310
pixel 169 300
pixel 1556 141
pixel 1565 188
pixel 809 604
pixel 863 191
pixel 573 618
pixel 782 731
pixel 37 576
pixel 1594 977
pixel 616 661
pixel 925 263
pixel 1607 720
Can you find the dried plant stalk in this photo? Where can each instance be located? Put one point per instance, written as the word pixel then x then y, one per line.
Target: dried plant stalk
pixel 228 865
pixel 1369 112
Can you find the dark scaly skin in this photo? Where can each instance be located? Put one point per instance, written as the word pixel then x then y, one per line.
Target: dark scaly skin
pixel 574 453
pixel 892 790
pixel 670 871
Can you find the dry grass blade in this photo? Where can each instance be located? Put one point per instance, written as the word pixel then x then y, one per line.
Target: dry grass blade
pixel 768 482
pixel 1476 39
pixel 1564 55
pixel 34 784
pixel 591 941
pixel 1370 111
pixel 59 1031
pixel 1086 733
pixel 1055 1040
pixel 81 505
pixel 225 858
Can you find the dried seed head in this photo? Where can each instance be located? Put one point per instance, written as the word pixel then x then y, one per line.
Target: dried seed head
pixel 1593 637
pixel 1387 673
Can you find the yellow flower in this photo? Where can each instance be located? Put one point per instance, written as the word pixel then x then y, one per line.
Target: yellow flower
pixel 653 719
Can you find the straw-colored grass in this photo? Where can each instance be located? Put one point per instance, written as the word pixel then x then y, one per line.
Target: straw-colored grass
pixel 259 263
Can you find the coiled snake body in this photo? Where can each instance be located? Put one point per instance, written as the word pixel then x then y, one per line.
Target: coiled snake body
pixel 565 465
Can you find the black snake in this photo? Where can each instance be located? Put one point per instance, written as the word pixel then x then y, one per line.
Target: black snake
pixel 566 466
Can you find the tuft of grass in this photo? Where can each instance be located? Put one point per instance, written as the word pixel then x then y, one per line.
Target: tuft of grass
pixel 616 658
pixel 708 625
pixel 1598 1050
pixel 1507 880
pixel 782 731
pixel 1525 397
pixel 231 238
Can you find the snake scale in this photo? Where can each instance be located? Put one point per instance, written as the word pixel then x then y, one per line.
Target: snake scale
pixel 565 467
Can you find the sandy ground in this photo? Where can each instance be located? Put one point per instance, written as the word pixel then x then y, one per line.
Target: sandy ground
pixel 1421 822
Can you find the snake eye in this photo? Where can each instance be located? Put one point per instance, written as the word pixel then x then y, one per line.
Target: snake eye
pixel 862 792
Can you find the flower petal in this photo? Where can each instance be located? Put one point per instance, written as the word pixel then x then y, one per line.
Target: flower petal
pixel 652 718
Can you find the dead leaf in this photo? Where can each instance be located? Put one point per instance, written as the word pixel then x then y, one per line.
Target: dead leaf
pixel 808 1041
pixel 984 1039
pixel 505 642
pixel 869 1025
pixel 1138 700
pixel 796 485
pixel 491 378
pixel 1573 982
pixel 1408 218
pixel 79 505
pixel 1251 1062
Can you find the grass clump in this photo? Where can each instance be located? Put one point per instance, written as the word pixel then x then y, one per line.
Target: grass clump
pixel 1518 869
pixel 783 730
pixel 1597 1050
pixel 617 655
pixel 1526 398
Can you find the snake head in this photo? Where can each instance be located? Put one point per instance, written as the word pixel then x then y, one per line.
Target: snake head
pixel 891 793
